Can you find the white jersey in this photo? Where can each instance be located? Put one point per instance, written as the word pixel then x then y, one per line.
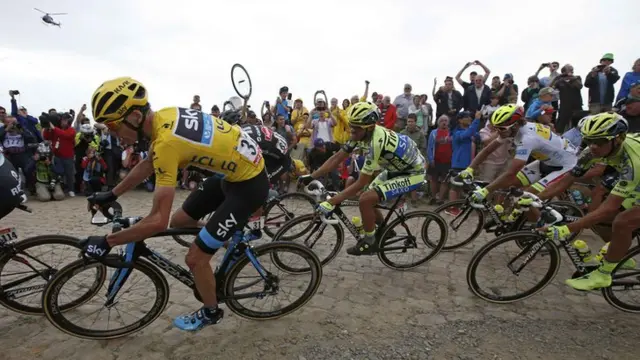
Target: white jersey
pixel 542 144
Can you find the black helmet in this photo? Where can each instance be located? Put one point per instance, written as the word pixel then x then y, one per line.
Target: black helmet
pixel 231 116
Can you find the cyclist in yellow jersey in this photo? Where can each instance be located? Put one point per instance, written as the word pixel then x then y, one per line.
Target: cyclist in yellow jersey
pixel 397 155
pixel 182 137
pixel 608 141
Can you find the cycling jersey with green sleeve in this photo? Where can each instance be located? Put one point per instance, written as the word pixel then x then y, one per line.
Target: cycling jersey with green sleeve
pixel 390 151
pixel 542 144
pixel 626 162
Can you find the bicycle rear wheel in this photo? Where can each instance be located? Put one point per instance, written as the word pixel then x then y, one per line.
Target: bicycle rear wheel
pixel 513 266
pixel 235 300
pixel 283 209
pixel 404 240
pixel 625 279
pixel 473 220
pixel 27 265
pixel 99 313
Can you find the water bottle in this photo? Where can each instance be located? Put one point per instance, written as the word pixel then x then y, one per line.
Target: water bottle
pixel 514 215
pixel 357 222
pixel 602 253
pixel 499 209
pixel 583 250
pixel 577 197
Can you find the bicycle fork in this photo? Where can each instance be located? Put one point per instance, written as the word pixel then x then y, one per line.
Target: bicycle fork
pixel 119 277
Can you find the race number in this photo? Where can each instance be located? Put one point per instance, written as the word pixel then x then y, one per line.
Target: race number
pixel 281 144
pixel 248 148
pixel 7 235
pixel 256 223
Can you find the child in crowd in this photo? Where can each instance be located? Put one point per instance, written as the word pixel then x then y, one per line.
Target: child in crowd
pixel 439 151
pixel 462 139
pixel 487 110
pixel 541 106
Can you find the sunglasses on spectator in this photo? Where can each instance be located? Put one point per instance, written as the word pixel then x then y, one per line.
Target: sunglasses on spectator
pixel 596 142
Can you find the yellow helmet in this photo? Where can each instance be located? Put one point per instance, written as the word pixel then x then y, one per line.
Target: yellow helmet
pixel 363 114
pixel 507 115
pixel 605 125
pixel 115 98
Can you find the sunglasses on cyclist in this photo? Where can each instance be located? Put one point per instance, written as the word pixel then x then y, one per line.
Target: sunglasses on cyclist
pixel 596 142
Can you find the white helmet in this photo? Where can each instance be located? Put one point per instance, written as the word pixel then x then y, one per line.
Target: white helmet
pixel 86 129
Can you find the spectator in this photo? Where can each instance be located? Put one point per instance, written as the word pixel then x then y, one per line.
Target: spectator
pixel 508 90
pixel 252 118
pixel 85 138
pixel 413 131
pixel 574 135
pixel 354 163
pixel 498 160
pixel 286 130
pixel 629 107
pixel 374 97
pixel 439 152
pixel 215 111
pixel 462 140
pixel 488 110
pixel 282 106
pixel 3 115
pixel 429 120
pixel 63 140
pixel 477 95
pixel 472 75
pixel 629 78
pixel 600 82
pixel 495 84
pixel 540 105
pixel 355 99
pixel 530 93
pixel 388 114
pixel 93 173
pixel 322 122
pixel 569 87
pixel 320 153
pixel 28 122
pixel 402 103
pixel 196 103
pixel 267 120
pixel 421 113
pixel 341 130
pixel 345 104
pixel 47 183
pixel 302 126
pixel 378 101
pixel 111 154
pixel 448 101
pixel 15 140
pixel 553 73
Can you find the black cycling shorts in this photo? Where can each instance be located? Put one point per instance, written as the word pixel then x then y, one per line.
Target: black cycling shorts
pixel 233 203
pixel 275 168
pixel 10 192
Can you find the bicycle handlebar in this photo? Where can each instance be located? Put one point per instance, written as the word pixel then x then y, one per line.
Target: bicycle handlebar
pixel 116 218
pixel 318 190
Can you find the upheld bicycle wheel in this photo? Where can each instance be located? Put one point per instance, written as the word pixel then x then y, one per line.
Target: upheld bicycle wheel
pixel 241 81
pixel 95 318
pixel 623 294
pixel 241 298
pixel 27 265
pixel 419 244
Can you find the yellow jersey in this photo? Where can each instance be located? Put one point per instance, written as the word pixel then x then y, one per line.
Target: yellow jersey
pixel 186 137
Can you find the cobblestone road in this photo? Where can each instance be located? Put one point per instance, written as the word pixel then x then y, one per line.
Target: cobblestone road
pixel 362 310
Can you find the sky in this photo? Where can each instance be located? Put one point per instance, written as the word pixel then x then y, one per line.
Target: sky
pixel 178 49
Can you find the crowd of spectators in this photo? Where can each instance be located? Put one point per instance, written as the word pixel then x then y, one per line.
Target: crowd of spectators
pixel 63 153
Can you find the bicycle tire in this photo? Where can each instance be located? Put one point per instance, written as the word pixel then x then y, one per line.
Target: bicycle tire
pixel 315 223
pixel 608 292
pixel 556 203
pixel 268 229
pixel 232 275
pixel 235 87
pixel 474 234
pixel 436 248
pixel 517 237
pixel 54 314
pixel 22 247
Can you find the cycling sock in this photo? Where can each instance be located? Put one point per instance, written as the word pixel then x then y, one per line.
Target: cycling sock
pixel 607 267
pixel 211 312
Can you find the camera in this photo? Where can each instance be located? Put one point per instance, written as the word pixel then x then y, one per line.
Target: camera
pixel 545 65
pixel 14 92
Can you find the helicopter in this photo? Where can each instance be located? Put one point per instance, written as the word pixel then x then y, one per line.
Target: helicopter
pixel 47 19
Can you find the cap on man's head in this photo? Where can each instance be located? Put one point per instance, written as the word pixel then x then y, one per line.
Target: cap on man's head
pixel 298 100
pixel 251 114
pixel 407 86
pixel 545 91
pixel 22 108
pixel 318 142
pixel 607 56
pixel 464 114
pixel 508 76
pixel 284 89
pixel 533 78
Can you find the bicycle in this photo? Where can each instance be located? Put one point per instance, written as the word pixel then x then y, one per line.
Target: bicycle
pixel 19 287
pixel 389 243
pixel 497 222
pixel 139 260
pixel 268 221
pixel 532 245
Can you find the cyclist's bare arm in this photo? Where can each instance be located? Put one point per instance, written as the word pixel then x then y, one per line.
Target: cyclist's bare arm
pixel 507 178
pixel 558 187
pixel 135 177
pixel 352 190
pixel 600 215
pixel 156 221
pixel 334 161
pixel 484 154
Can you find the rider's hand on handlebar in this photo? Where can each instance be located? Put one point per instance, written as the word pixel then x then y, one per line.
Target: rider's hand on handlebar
pixel 479 195
pixel 525 201
pixel 556 233
pixel 325 208
pixel 305 179
pixel 102 198
pixel 97 247
pixel 466 174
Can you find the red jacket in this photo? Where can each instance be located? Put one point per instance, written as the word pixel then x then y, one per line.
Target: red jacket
pixel 389 117
pixel 63 141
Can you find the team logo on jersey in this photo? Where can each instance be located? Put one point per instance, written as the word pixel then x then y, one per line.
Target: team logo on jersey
pixel 15 175
pixel 194 126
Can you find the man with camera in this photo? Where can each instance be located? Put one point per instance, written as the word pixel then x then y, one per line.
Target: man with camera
pixel 568 86
pixel 600 81
pixel 58 130
pixel 28 122
pixel 15 140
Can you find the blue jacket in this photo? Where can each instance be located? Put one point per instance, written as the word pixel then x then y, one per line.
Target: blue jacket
pixel 461 141
pixel 29 122
pixel 628 79
pixel 534 110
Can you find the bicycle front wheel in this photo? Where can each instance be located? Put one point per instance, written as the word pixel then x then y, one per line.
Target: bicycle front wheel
pixel 243 294
pixel 464 223
pixel 98 319
pixel 400 242
pixel 490 268
pixel 27 265
pixel 622 294
pixel 283 209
